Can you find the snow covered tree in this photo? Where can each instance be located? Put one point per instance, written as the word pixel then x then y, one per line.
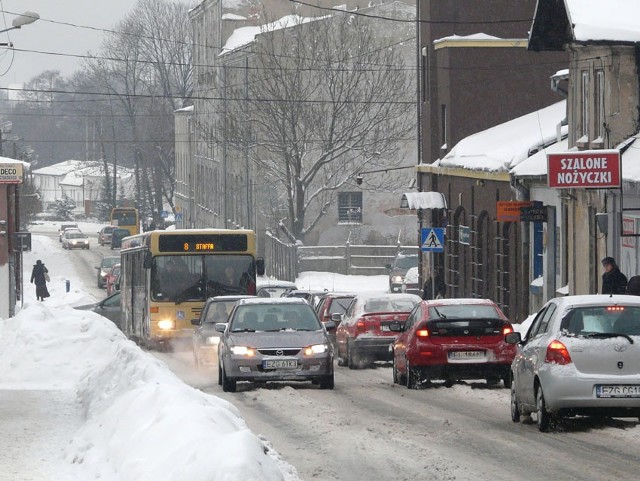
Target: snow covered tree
pixel 63 208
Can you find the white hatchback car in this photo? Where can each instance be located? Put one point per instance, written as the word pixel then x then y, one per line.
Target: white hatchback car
pixel 580 356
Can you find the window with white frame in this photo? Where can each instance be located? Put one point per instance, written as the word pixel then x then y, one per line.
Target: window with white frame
pixel 599 105
pixel 585 104
pixel 350 207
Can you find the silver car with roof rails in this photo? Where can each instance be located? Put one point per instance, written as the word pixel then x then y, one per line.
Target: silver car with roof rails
pixel 580 356
pixel 278 339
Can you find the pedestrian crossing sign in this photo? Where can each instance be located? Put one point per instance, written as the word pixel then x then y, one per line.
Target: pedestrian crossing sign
pixel 432 239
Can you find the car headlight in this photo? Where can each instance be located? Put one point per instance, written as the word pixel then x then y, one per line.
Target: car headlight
pixel 212 340
pixel 243 351
pixel 397 279
pixel 315 349
pixel 166 324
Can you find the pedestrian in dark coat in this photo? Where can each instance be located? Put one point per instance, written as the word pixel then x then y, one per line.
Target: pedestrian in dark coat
pixel 435 287
pixel 38 277
pixel 613 281
pixel 633 286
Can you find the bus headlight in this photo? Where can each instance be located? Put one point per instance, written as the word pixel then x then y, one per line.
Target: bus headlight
pixel 166 324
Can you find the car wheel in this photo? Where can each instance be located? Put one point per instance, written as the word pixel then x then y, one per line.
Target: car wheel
pixel 507 380
pixel 228 385
pixel 413 376
pixel 327 382
pixel 352 358
pixel 219 373
pixel 342 360
pixel 448 382
pixel 515 409
pixel 396 374
pixel 544 417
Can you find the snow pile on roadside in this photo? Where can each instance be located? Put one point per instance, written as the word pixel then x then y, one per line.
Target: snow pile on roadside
pixel 143 422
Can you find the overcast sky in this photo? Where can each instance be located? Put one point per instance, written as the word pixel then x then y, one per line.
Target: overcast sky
pixel 52 35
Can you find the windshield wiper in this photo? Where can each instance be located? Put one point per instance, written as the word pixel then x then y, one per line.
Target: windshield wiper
pixel 440 315
pixel 609 335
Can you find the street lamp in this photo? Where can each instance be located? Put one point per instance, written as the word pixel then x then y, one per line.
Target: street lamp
pixel 25 19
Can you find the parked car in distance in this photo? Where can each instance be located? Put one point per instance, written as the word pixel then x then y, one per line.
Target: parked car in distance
pixel 104 268
pixel 75 240
pixel 111 279
pixel 205 337
pixel 108 307
pixel 63 227
pixel 274 340
pixel 116 237
pixel 104 234
pixel 273 287
pixel 364 334
pixel 399 267
pixel 580 356
pixel 331 307
pixel 451 340
pixel 411 283
pixel 312 297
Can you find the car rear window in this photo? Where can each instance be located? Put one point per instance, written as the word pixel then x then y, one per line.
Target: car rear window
pixel 461 311
pixel 602 320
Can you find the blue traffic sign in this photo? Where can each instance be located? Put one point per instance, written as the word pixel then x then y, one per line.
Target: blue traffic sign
pixel 432 239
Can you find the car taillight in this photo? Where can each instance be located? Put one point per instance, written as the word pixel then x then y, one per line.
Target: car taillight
pixel 507 329
pixel 557 353
pixel 422 333
pixel 360 327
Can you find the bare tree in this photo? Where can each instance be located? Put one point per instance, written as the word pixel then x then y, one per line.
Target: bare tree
pixel 325 100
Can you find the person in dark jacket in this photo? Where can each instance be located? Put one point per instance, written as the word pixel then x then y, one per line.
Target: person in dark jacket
pixel 633 286
pixel 38 277
pixel 435 287
pixel 613 281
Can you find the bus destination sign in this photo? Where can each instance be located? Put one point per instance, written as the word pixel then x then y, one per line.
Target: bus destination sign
pixel 202 243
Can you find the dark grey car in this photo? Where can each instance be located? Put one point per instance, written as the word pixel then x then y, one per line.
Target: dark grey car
pixel 108 307
pixel 274 340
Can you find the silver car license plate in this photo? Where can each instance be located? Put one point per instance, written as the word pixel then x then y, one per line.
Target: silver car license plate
pixel 617 391
pixel 280 364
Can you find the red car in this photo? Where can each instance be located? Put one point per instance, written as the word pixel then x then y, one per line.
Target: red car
pixel 453 339
pixel 110 279
pixel 364 335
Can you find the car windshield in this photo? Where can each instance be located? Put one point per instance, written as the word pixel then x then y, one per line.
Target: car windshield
pixel 110 261
pixel 464 311
pixel 75 235
pixel 108 230
pixel 406 262
pixel 602 320
pixel 273 318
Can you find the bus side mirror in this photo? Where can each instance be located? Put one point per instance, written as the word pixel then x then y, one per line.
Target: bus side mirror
pixel 148 260
pixel 260 266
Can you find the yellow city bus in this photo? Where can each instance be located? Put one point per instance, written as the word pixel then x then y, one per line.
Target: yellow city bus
pixel 166 276
pixel 126 218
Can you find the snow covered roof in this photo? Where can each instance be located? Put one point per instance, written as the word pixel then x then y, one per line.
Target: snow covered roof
pixel 8 160
pixel 478 40
pixel 536 165
pixel 557 23
pixel 61 168
pixel 232 16
pixel 504 146
pixel 245 35
pixel 619 21
pixel 425 200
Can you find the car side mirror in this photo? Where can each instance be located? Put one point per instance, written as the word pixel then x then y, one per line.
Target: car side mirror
pixel 513 338
pixel 220 327
pixel 388 266
pixel 260 267
pixel 196 322
pixel 336 317
pixel 329 325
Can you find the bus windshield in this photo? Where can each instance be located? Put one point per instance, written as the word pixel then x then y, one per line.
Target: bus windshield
pixel 181 278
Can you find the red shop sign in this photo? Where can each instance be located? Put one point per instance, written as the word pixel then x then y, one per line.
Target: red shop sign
pixel 587 169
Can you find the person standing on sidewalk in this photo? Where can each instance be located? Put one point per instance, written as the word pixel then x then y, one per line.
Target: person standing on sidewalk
pixel 39 276
pixel 613 281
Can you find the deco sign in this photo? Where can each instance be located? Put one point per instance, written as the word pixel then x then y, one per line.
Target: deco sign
pixel 10 173
pixel 588 169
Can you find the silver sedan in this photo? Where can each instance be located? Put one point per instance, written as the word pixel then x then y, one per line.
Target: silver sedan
pixel 274 340
pixel 580 356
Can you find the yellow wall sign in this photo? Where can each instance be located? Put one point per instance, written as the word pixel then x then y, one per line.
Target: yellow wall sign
pixel 10 173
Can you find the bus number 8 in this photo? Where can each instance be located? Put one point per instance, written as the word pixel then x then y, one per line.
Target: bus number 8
pixel 186 247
